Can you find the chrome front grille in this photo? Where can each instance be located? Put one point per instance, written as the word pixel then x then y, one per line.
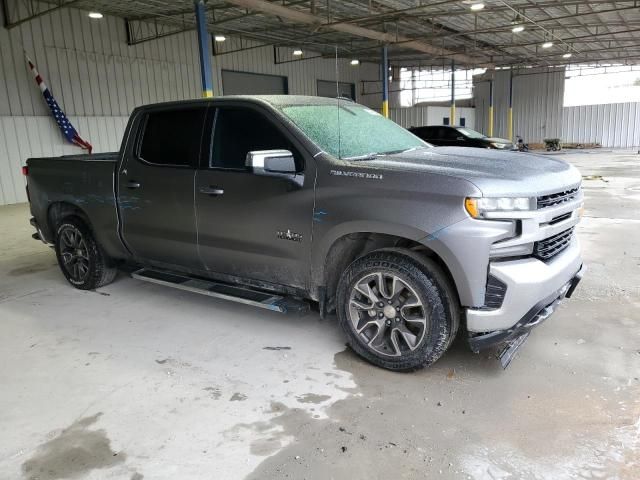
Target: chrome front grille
pixel 557 198
pixel 549 247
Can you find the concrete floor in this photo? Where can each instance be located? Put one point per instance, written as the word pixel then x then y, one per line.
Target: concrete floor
pixel 140 381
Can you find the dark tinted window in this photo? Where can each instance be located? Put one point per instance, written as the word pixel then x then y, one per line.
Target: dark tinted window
pixel 430 132
pixel 449 134
pixel 172 137
pixel 239 131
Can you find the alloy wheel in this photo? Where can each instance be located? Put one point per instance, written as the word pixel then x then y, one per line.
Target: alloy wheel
pixel 73 250
pixel 387 314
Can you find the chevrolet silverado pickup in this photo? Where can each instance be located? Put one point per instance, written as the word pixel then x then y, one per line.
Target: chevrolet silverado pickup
pixel 284 201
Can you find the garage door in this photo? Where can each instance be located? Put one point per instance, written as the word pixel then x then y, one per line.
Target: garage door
pixel 247 83
pixel 327 88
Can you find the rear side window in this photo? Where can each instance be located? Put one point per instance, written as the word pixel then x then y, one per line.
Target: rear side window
pixel 430 133
pixel 449 134
pixel 239 131
pixel 172 137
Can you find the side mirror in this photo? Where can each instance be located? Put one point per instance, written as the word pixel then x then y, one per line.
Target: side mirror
pixel 273 163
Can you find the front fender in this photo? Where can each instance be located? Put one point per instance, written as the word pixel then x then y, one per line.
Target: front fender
pixel 464 247
pixel 321 249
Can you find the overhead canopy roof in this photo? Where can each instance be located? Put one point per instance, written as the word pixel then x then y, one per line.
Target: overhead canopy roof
pixel 417 32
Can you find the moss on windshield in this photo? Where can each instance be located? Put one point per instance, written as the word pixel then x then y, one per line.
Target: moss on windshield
pixel 351 130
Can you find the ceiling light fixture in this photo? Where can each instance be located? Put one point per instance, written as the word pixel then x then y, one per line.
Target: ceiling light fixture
pixel 95 15
pixel 219 38
pixel 518 29
pixel 297 52
pixel 355 61
pixel 476 7
pixel 547 45
pixel 567 55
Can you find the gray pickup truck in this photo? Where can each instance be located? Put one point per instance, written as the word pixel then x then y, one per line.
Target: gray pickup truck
pixel 285 201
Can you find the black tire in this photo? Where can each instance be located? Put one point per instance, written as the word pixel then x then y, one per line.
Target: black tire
pixel 82 261
pixel 422 278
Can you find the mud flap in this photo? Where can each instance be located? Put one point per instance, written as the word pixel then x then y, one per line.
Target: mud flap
pixel 508 351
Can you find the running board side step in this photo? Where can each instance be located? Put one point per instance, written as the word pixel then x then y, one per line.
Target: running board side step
pixel 225 291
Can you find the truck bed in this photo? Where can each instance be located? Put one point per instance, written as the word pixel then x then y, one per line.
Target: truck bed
pixel 95 157
pixel 85 181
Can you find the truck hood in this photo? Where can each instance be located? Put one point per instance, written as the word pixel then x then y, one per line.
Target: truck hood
pixel 494 172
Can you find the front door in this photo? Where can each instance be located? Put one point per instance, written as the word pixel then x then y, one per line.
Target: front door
pixel 156 185
pixel 251 226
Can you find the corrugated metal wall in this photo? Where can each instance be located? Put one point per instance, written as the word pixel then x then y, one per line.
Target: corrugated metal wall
pixel 430 115
pixel 537 104
pixel 302 75
pixel 98 79
pixel 614 125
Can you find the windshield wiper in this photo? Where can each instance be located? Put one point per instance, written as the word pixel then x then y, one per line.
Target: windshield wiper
pixel 395 152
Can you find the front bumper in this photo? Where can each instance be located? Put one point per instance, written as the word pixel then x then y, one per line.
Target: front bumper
pixel 534 317
pixel 534 288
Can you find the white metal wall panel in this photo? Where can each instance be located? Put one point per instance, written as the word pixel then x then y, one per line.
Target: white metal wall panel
pixel 22 137
pixel 612 125
pixel 431 115
pixel 302 74
pixel 98 79
pixel 537 104
pixel 481 101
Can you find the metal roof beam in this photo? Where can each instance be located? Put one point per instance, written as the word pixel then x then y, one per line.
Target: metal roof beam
pixel 344 27
pixel 11 10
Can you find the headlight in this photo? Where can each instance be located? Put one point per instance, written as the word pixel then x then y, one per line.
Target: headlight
pixel 499 146
pixel 478 207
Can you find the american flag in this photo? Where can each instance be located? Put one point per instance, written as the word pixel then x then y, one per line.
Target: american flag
pixel 61 119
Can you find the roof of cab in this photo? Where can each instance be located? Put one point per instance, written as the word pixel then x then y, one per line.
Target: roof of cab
pixel 273 100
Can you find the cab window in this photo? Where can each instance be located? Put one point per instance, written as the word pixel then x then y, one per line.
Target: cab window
pixel 238 131
pixel 172 137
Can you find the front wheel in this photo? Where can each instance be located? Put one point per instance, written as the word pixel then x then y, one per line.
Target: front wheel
pixel 82 261
pixel 399 312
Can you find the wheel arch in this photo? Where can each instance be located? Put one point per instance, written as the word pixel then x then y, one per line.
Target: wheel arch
pixel 58 211
pixel 349 247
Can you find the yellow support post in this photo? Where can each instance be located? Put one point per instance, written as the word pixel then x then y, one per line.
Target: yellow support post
pixel 510 112
pixel 452 120
pixel 385 82
pixel 490 129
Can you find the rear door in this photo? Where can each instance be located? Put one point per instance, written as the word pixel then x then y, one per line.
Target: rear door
pixel 252 226
pixel 156 185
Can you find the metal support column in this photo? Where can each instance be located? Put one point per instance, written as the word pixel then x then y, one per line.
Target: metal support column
pixel 510 111
pixel 385 82
pixel 203 44
pixel 452 120
pixel 490 129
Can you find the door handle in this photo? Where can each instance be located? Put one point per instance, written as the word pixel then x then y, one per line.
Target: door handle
pixel 132 184
pixel 211 190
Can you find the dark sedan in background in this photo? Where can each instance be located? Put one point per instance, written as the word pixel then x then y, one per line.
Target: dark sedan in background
pixel 446 136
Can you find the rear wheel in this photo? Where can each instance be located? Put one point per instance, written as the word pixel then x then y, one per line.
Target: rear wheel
pixel 82 261
pixel 398 312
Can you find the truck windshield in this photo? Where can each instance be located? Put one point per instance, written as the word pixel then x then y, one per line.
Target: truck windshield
pixel 351 131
